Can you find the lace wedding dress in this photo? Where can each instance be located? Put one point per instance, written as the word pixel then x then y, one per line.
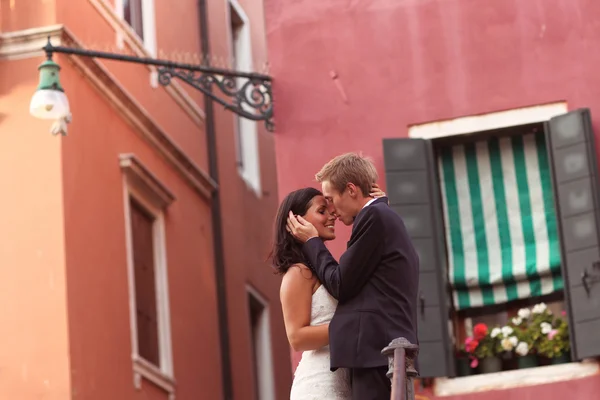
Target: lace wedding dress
pixel 313 380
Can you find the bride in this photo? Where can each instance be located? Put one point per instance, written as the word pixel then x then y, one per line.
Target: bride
pixel 307 306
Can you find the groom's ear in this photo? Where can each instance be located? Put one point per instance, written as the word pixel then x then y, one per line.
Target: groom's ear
pixel 352 189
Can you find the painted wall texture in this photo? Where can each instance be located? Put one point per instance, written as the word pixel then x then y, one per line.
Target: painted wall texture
pixel 65 295
pixel 583 388
pixel 349 73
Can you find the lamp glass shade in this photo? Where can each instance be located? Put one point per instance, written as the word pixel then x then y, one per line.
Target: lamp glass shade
pixel 49 104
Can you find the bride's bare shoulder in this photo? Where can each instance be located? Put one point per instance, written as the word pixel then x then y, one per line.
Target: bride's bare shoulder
pixel 299 274
pixel 301 268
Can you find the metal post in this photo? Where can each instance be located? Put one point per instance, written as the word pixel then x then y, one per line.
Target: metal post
pixel 401 363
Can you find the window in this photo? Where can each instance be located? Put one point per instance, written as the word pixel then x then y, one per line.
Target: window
pixel 132 14
pixel 562 248
pixel 139 15
pixel 146 201
pixel 142 237
pixel 246 135
pixel 260 340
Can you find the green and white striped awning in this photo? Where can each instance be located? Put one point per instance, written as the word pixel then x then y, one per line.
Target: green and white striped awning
pixel 500 220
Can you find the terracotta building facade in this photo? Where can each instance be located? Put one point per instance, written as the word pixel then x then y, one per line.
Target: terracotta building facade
pixel 134 249
pixel 482 120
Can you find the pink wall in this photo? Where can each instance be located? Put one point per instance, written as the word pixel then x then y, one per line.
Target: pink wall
pixel 404 62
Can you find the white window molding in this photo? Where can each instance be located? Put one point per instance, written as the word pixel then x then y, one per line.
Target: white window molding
pixel 124 36
pixel 246 131
pixel 488 121
pixel 262 346
pixel 515 378
pixel 148 25
pixel 142 186
pixel 148 42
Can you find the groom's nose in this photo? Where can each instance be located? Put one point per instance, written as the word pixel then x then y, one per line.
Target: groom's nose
pixel 331 208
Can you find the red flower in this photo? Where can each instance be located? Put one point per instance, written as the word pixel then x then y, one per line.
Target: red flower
pixel 479 331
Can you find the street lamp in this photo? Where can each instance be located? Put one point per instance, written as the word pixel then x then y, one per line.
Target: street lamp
pixel 246 94
pixel 49 101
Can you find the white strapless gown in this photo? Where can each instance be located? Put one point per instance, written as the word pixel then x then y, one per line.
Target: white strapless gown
pixel 313 379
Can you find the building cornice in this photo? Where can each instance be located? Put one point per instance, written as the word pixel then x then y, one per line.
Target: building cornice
pixel 28 43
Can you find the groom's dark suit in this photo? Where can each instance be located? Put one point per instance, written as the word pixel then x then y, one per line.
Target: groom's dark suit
pixel 376 283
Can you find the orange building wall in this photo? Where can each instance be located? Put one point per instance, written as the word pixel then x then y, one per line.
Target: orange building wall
pixel 34 355
pixel 16 15
pixel 177 32
pixel 82 228
pixel 248 222
pixel 97 264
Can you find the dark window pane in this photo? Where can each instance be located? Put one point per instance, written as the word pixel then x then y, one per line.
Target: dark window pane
pixel 132 14
pixel 145 286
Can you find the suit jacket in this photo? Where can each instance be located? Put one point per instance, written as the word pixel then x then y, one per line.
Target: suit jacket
pixel 376 284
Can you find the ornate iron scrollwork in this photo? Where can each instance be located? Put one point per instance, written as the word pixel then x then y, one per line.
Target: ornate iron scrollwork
pixel 250 95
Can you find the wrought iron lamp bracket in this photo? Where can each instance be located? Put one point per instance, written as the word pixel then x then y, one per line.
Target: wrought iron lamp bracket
pixel 248 95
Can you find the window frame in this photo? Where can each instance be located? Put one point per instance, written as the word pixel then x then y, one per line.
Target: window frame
pixel 148 25
pixel 144 188
pixel 264 350
pixel 460 129
pixel 245 130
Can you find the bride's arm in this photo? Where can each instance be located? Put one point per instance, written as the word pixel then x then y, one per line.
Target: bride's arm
pixel 296 299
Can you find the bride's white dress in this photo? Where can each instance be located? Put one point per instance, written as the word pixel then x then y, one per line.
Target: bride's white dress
pixel 313 379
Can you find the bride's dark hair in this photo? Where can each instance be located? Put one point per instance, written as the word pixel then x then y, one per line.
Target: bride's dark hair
pixel 286 250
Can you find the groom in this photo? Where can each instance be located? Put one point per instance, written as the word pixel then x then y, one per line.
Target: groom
pixel 375 281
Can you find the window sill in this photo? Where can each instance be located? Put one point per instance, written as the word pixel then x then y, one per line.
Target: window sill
pixel 148 371
pixel 515 378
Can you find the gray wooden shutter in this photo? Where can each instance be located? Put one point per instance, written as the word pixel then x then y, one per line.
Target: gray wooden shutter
pixel 572 154
pixel 413 191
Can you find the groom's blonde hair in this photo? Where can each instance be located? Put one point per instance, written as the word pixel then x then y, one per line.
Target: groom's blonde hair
pixel 349 168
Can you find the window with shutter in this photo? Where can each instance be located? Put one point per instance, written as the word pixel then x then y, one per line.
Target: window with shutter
pixel 145 285
pixel 146 200
pixel 572 154
pixel 413 192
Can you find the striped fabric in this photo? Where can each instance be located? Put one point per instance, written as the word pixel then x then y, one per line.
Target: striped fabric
pixel 501 229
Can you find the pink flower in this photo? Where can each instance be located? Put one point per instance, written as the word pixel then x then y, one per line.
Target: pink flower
pixel 563 313
pixel 552 333
pixel 474 362
pixel 471 344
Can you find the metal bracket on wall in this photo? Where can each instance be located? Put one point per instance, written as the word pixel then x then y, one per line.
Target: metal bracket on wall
pixel 247 94
pixel 590 278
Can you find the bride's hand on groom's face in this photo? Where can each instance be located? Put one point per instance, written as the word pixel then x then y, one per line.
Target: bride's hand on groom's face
pixel 300 228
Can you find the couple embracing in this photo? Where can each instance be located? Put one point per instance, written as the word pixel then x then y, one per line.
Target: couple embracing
pixel 342 314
